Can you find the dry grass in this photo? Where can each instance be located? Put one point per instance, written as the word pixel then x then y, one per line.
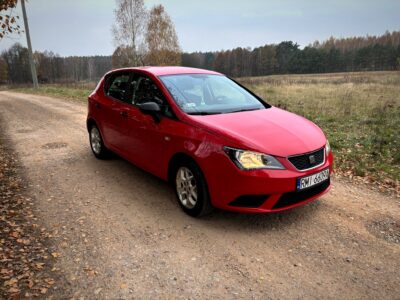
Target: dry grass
pixel 359 112
pixel 76 91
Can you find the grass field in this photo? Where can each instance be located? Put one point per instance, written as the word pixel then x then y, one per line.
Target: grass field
pixel 359 112
pixel 76 91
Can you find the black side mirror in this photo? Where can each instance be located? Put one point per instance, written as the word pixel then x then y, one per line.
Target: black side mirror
pixel 152 109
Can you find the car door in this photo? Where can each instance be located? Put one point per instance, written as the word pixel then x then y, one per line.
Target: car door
pixel 149 139
pixel 118 91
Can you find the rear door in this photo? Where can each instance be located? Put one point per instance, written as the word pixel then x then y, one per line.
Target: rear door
pixel 118 91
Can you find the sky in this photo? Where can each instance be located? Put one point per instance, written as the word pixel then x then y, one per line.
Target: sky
pixel 83 27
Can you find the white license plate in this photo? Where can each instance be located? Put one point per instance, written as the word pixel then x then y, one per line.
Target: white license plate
pixel 314 179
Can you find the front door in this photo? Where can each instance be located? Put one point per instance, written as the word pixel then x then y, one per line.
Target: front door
pixel 149 143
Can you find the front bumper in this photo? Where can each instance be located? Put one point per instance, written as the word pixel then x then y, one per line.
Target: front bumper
pixel 261 191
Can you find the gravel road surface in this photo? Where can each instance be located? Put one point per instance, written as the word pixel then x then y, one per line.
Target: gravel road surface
pixel 121 234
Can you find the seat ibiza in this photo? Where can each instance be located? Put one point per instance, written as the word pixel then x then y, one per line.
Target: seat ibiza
pixel 215 141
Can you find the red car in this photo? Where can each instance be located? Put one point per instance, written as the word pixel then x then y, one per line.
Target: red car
pixel 219 144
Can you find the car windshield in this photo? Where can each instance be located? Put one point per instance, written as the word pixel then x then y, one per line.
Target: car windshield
pixel 204 94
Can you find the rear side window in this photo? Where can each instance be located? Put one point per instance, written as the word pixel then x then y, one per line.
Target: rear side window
pixel 118 87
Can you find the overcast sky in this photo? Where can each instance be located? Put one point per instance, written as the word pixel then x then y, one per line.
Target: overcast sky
pixel 83 27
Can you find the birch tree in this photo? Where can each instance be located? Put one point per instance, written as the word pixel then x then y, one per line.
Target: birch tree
pixel 129 27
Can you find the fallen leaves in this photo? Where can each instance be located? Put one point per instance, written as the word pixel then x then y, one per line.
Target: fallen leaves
pixel 90 272
pixel 5 271
pixel 12 281
pixel 15 234
pixel 24 256
pixel 375 181
pixel 39 266
pixel 13 290
pixel 30 284
pixel 55 254
pixel 123 286
pixel 24 241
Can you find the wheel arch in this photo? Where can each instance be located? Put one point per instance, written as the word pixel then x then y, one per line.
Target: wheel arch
pixel 90 122
pixel 174 162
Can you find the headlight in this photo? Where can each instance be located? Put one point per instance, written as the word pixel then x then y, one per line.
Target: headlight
pixel 327 147
pixel 249 160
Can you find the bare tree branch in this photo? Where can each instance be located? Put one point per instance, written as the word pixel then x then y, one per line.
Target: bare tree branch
pixel 128 30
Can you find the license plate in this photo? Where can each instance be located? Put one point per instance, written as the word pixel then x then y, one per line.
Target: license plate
pixel 314 179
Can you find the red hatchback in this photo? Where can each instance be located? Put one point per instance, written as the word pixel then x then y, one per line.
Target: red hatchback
pixel 219 144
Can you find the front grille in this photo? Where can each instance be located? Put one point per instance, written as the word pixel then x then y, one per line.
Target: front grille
pixel 292 198
pixel 309 160
pixel 250 201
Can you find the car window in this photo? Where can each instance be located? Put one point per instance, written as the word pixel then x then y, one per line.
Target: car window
pixel 145 90
pixel 226 92
pixel 119 87
pixel 210 94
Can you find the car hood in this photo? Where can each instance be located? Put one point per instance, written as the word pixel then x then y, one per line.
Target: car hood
pixel 272 131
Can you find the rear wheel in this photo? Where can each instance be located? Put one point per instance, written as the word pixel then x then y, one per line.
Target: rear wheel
pixel 191 189
pixel 96 143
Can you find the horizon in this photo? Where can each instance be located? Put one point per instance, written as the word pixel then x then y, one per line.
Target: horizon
pixel 209 51
pixel 241 25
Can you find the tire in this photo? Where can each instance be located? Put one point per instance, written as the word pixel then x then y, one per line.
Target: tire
pixel 189 182
pixel 96 143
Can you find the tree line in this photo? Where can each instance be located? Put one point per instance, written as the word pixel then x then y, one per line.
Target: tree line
pixel 51 68
pixel 370 53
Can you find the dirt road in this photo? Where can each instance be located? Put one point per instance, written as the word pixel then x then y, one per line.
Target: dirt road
pixel 121 233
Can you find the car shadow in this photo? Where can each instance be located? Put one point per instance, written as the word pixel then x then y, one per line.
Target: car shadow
pixel 263 222
pixel 161 192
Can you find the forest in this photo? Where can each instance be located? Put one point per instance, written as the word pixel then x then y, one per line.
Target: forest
pixel 368 53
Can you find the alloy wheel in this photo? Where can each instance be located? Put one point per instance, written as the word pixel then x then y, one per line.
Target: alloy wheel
pixel 95 140
pixel 186 187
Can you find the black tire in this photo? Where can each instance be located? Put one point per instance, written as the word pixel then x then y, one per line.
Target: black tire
pixel 203 203
pixel 99 149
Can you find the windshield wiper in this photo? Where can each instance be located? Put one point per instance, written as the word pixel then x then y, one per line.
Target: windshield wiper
pixel 203 113
pixel 240 110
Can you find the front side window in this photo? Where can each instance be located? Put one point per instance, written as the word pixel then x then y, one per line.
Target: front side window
pixel 118 87
pixel 145 90
pixel 209 94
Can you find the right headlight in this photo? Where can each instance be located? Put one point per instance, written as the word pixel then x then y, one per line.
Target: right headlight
pixel 249 160
pixel 327 147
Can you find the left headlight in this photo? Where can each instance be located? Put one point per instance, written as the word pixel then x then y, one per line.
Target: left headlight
pixel 249 160
pixel 327 147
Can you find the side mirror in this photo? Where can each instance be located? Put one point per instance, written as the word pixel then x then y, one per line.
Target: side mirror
pixel 152 109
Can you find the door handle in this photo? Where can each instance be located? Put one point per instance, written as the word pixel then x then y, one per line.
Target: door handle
pixel 123 114
pixel 97 105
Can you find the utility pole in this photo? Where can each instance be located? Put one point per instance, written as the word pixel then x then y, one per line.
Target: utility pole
pixel 28 40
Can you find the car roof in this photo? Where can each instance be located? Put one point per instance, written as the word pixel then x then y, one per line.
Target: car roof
pixel 159 71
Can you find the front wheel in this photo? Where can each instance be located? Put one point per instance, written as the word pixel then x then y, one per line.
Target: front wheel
pixel 191 190
pixel 96 143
